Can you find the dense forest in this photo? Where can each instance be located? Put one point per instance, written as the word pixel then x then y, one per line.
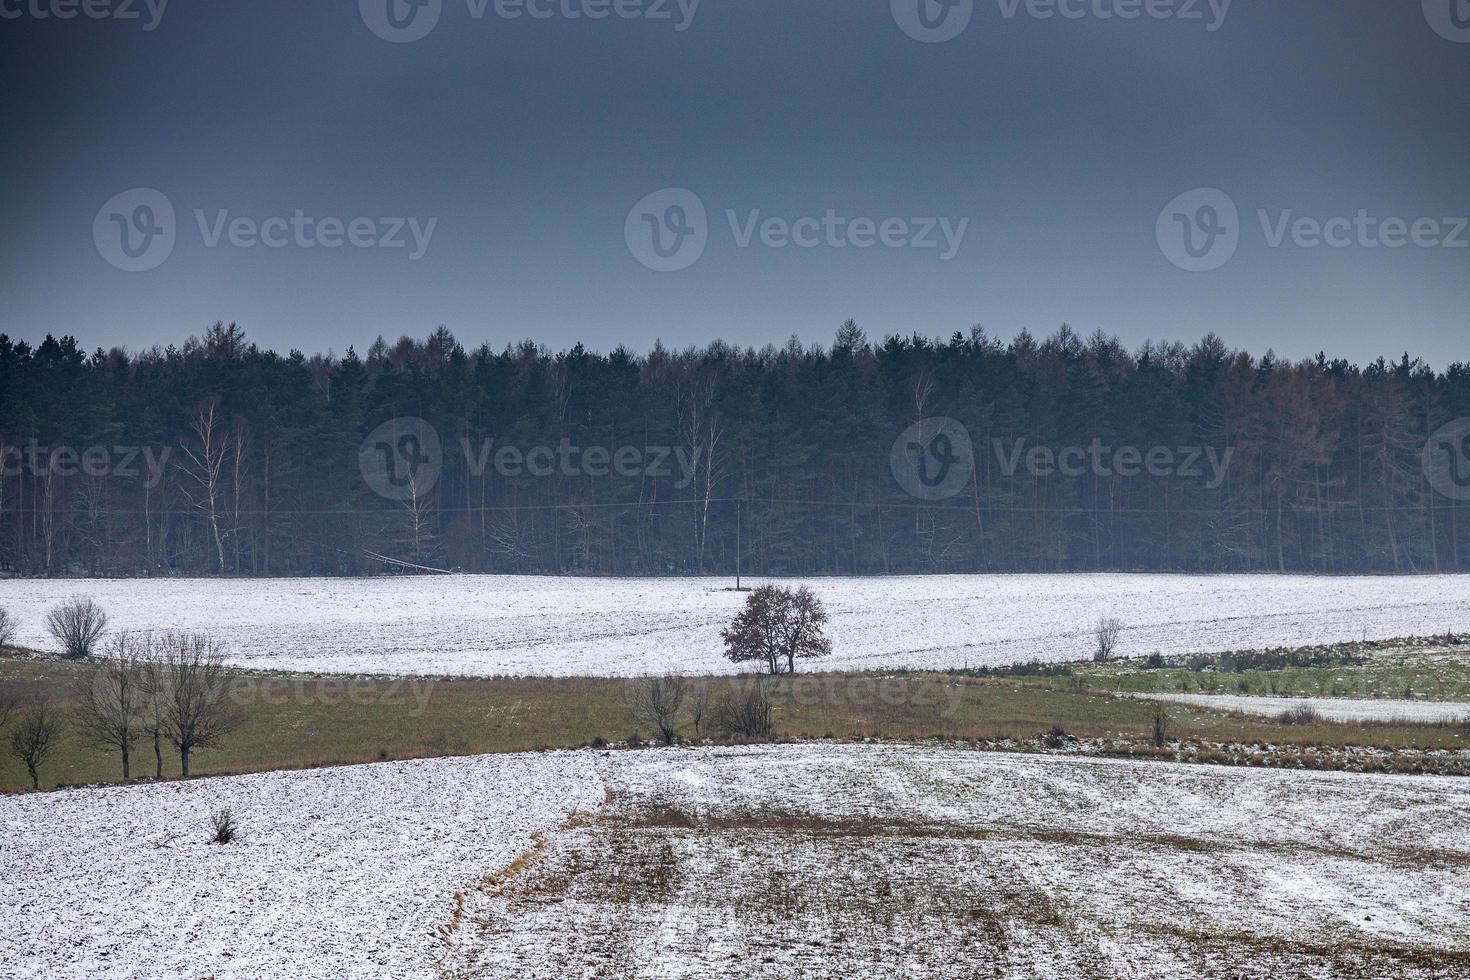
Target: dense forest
pixel 217 457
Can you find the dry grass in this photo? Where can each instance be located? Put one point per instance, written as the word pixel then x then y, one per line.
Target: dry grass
pixel 297 722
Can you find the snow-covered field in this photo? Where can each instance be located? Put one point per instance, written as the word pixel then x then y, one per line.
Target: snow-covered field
pixel 769 862
pixel 482 625
pixel 1332 709
pixel 339 872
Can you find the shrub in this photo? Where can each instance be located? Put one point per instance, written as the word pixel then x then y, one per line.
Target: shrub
pixel 746 714
pixel 77 625
pixel 1109 628
pixel 8 628
pixel 225 827
pixel 1301 715
pixel 656 701
pixel 1160 725
pixel 1056 737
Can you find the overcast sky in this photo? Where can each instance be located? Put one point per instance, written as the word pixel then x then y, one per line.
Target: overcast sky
pixel 454 165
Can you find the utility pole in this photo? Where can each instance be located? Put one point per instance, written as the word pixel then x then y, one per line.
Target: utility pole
pixel 737 544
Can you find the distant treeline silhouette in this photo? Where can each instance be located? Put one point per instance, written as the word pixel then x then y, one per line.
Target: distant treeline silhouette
pixel 217 457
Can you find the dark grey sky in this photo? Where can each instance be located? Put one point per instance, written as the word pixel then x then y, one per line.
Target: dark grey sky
pixel 530 140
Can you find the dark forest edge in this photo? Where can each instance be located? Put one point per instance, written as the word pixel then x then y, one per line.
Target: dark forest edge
pixel 218 457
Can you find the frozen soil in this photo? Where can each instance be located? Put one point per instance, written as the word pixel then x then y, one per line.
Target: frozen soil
pixel 899 861
pixel 771 861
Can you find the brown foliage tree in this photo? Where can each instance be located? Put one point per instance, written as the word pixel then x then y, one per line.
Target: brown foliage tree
pixel 776 627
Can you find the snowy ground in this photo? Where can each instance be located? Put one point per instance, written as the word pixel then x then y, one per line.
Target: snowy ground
pixel 612 627
pixel 339 872
pixel 766 862
pixel 1331 709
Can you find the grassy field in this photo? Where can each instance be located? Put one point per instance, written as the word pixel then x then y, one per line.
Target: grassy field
pixel 298 721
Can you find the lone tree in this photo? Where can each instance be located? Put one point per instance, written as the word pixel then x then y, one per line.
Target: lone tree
pixel 77 625
pixel 656 701
pixel 112 701
pixel 36 733
pixel 776 627
pixel 195 697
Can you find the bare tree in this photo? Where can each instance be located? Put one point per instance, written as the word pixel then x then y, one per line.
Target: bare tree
pixel 153 722
pixel 196 708
pixel 77 625
pixel 777 626
pixel 203 464
pixel 656 701
pixel 698 699
pixel 1109 628
pixel 8 628
pixel 36 734
pixel 111 702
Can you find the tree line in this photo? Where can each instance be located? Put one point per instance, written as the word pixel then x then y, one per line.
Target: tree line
pixel 216 457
